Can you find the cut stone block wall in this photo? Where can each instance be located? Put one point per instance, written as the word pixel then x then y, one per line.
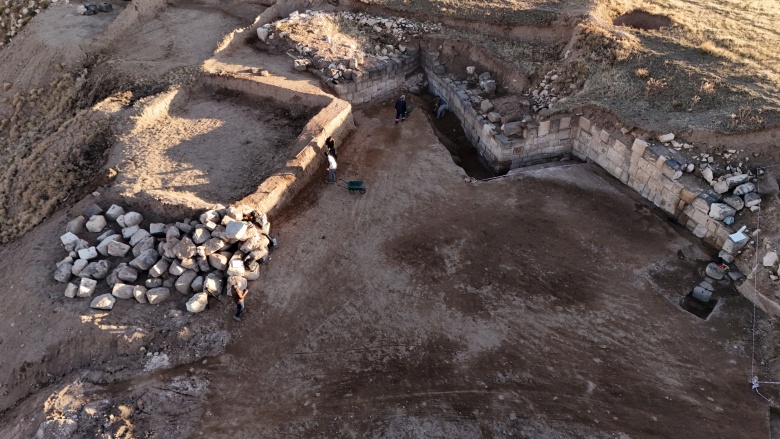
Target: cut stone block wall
pixel 378 79
pixel 537 143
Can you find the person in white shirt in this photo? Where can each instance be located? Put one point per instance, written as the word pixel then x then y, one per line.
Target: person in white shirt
pixel 331 169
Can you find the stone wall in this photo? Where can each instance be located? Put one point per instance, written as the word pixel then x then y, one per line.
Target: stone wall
pixel 334 120
pixel 656 173
pixel 524 144
pixel 377 78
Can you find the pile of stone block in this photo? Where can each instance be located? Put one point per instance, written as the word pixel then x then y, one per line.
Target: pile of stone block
pixel 197 258
pixel 385 38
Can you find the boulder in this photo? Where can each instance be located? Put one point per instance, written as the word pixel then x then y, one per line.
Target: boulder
pixel 106 233
pixel 139 236
pixel 488 86
pixel 770 259
pixel 96 270
pixel 218 261
pixel 76 225
pixel 114 212
pixel 81 245
pixel 184 282
pixel 512 128
pixel 128 232
pixel 736 180
pixel 720 211
pixel 158 295
pixel 103 301
pixel 63 272
pixel 96 223
pixel 69 240
pixel 200 236
pixel 262 33
pixel 102 247
pixel 486 106
pixel 203 264
pixel 153 282
pixel 732 246
pixel 197 284
pixel 745 188
pixel 752 199
pixel 714 271
pixel 213 245
pixel 145 260
pixel 184 249
pixel 169 281
pixel 78 266
pixel 116 248
pixel 176 269
pixel 93 209
pixel 88 253
pixel 159 268
pixel 726 256
pixel 494 117
pixel 189 264
pixel 145 244
pixel 236 230
pixel 198 303
pixel 702 294
pixel 666 138
pixel 122 291
pixel 127 274
pixel 184 228
pixel 210 216
pixel 173 233
pixel 86 287
pixel 157 229
pixel 139 292
pixel 720 186
pixel 168 248
pixel 133 219
pixel 236 265
pixel 213 284
pixel 71 290
pixel 253 271
pixel 706 173
pixel 735 202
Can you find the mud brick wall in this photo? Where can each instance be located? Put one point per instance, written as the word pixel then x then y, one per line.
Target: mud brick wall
pixel 655 172
pixel 377 79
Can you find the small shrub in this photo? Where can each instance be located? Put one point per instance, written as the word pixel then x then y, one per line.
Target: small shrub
pixel 642 73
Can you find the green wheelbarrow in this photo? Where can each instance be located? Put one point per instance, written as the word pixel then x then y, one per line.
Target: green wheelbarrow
pixel 355 185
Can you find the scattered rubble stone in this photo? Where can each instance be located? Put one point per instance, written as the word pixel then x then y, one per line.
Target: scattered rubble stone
pixel 104 301
pixel 158 295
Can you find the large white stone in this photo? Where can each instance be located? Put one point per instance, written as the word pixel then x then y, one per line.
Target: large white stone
pixel 210 216
pixel 159 268
pixel 735 202
pixel 122 291
pixel 139 292
pixel 96 223
pixel 114 212
pixel 103 301
pixel 213 284
pixel 102 247
pixel 736 180
pixel 128 232
pixel 486 106
pixel 63 272
pixel 197 284
pixel 176 269
pixel 236 230
pixel 706 173
pixel 218 261
pixel 235 266
pixel 262 33
pixel 133 219
pixel 78 265
pixel 200 236
pixel 88 253
pixel 184 282
pixel 127 274
pixel 157 229
pixel 213 245
pixel 752 199
pixel 770 259
pixel 744 188
pixel 184 249
pixel 198 303
pixel 71 290
pixel 157 295
pixel 69 240
pixel 145 244
pixel 116 248
pixel 720 211
pixel 139 236
pixel 145 260
pixel 666 138
pixel 87 287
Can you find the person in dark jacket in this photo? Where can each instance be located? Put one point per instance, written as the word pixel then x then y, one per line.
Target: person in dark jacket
pixel 400 109
pixel 331 145
pixel 238 297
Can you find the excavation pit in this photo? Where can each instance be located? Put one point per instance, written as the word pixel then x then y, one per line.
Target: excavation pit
pixel 639 19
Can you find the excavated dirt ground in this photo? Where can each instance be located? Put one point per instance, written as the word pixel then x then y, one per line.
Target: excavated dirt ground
pixel 537 305
pixel 540 305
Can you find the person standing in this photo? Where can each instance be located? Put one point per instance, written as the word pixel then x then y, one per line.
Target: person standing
pixel 238 297
pixel 440 107
pixel 331 145
pixel 331 168
pixel 400 109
